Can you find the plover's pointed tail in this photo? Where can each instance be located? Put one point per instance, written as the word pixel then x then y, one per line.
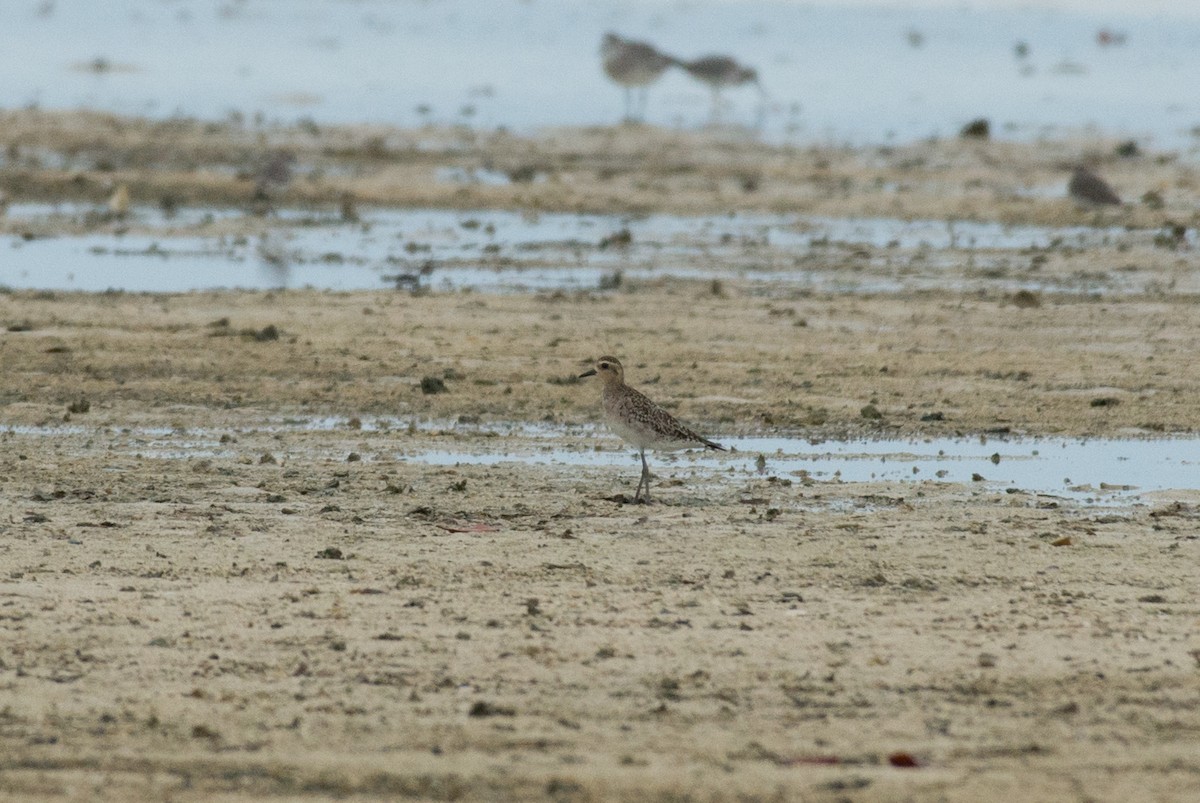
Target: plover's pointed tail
pixel 713 445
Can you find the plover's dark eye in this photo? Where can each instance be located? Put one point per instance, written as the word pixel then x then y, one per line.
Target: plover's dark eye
pixel 604 366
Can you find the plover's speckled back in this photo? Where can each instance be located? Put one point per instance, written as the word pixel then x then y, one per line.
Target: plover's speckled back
pixel 640 421
pixel 1088 188
pixel 633 65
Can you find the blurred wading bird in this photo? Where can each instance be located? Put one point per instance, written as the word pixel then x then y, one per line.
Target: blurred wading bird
pixel 275 175
pixel 1089 189
pixel 721 72
pixel 118 202
pixel 633 65
pixel 640 421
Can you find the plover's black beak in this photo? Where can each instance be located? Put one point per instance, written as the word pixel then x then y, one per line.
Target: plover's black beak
pixel 585 374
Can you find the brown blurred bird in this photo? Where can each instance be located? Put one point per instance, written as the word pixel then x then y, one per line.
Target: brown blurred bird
pixel 272 181
pixel 721 72
pixel 1088 188
pixel 633 65
pixel 275 175
pixel 118 202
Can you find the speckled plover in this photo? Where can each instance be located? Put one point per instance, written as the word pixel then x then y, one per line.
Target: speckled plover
pixel 640 421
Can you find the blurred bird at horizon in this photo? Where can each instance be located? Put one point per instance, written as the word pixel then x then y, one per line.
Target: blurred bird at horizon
pixel 1089 189
pixel 272 180
pixel 118 202
pixel 722 72
pixel 634 66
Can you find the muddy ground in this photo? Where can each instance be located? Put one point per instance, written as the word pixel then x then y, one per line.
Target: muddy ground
pixel 317 613
pixel 632 169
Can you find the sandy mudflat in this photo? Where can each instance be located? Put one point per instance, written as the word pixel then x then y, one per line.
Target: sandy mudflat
pixel 635 169
pixel 216 586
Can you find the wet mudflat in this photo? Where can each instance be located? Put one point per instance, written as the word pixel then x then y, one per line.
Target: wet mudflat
pixel 54 248
pixel 234 565
pixel 355 532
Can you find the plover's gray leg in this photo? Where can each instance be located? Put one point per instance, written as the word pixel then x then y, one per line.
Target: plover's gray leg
pixel 644 481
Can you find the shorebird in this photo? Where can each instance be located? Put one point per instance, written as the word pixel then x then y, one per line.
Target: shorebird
pixel 1088 188
pixel 118 202
pixel 640 421
pixel 721 72
pixel 275 175
pixel 633 65
pixel 271 180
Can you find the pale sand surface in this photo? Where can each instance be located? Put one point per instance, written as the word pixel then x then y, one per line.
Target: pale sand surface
pixel 177 625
